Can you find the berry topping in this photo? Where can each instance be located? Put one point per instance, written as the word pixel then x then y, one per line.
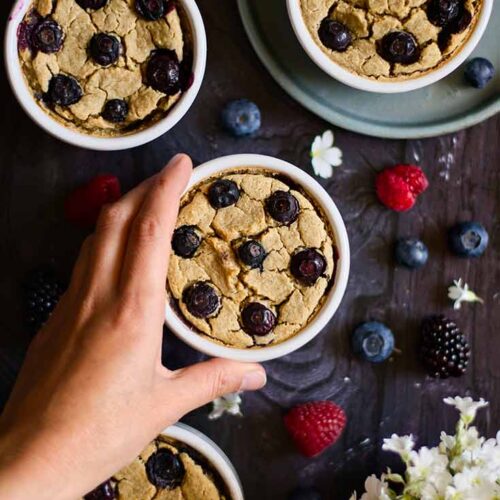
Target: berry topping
pixel 151 9
pixel 334 35
pixel 185 241
pixel 42 291
pixel 223 193
pixel 92 4
pixel 479 72
pixel 252 253
pixel 115 110
pixel 398 187
pixel 241 117
pixel 47 37
pixel 83 205
pixel 444 349
pixel 283 207
pixel 163 72
pixel 373 341
pixel 257 319
pixel 307 266
pixel 411 253
pixel 399 47
pixel 201 300
pixel 315 426
pixel 468 239
pixel 105 49
pixel 441 12
pixel 165 470
pixel 305 494
pixel 104 491
pixel 64 90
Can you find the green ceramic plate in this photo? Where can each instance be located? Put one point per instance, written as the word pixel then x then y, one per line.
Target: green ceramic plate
pixel 441 108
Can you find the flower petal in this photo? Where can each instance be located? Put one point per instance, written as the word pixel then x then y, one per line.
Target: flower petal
pixel 322 168
pixel 316 145
pixel 333 156
pixel 327 139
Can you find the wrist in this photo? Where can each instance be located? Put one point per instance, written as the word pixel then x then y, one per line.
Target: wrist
pixel 29 470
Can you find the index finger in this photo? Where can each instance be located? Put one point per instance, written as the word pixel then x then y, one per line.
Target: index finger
pixel 148 248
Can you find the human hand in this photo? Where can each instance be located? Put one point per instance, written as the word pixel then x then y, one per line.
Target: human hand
pixel 93 392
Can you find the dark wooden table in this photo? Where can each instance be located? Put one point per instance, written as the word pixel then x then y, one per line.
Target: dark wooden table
pixel 37 171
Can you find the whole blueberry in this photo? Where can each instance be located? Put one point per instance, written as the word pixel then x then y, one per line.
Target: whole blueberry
pixel 334 35
pixel 223 193
pixel 241 117
pixel 163 71
pixel 165 469
pixel 151 9
pixel 104 491
pixel 373 341
pixel 91 4
pixel 283 207
pixel 305 494
pixel 468 239
pixel 257 319
pixel 115 110
pixel 185 241
pixel 104 49
pixel 64 90
pixel 478 72
pixel 399 47
pixel 411 253
pixel 47 36
pixel 201 299
pixel 307 266
pixel 441 12
pixel 252 253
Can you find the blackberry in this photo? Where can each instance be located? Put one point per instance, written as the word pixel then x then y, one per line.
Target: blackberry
pixel 42 291
pixel 444 350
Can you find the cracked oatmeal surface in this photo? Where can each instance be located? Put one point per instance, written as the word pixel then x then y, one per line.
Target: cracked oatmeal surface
pixel 200 481
pixel 216 260
pixel 370 20
pixel 122 80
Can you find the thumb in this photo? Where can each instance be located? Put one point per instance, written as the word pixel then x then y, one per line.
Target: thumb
pixel 199 384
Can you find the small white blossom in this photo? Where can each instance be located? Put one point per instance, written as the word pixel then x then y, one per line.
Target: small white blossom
pixel 230 403
pixel 466 406
pixel 375 489
pixel 324 155
pixel 460 292
pixel 400 445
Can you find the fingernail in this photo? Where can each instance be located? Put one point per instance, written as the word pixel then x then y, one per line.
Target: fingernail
pixel 253 381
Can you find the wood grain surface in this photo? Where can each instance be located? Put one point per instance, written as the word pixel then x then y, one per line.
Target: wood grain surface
pixel 37 171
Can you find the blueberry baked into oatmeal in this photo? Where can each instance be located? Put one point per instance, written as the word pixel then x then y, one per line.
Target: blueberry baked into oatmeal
pixel 253 258
pixel 390 39
pixel 106 67
pixel 165 470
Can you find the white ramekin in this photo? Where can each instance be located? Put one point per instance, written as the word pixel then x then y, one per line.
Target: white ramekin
pixel 214 455
pixel 358 82
pixel 332 301
pixel 52 126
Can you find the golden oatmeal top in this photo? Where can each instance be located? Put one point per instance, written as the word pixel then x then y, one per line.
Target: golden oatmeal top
pixel 105 67
pixel 390 39
pixel 253 259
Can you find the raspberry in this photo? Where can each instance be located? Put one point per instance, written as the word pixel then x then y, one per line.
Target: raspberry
pixel 83 205
pixel 398 187
pixel 315 426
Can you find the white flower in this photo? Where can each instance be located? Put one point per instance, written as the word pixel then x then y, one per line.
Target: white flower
pixel 375 489
pixel 466 406
pixel 230 403
pixel 459 292
pixel 400 445
pixel 428 471
pixel 324 155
